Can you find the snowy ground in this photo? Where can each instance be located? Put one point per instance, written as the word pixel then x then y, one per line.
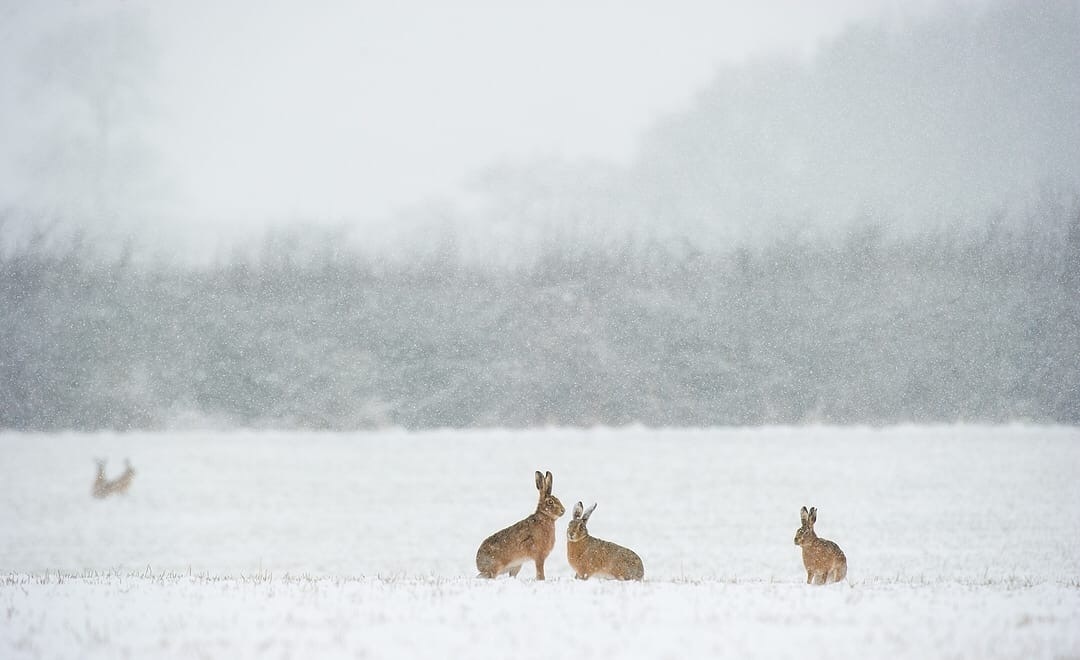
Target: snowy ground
pixel 961 541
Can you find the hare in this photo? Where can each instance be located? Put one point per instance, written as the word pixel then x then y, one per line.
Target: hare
pixel 104 487
pixel 824 560
pixel 532 538
pixel 590 556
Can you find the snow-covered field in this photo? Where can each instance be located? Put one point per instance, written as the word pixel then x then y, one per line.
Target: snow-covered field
pixel 962 541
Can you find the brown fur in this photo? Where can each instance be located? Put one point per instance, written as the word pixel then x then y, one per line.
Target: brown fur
pixel 590 556
pixel 824 560
pixel 105 487
pixel 532 538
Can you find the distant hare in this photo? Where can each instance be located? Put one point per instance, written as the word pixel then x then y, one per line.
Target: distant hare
pixel 824 560
pixel 591 556
pixel 532 538
pixel 104 487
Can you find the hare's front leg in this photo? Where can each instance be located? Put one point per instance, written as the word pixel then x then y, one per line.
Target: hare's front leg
pixel 540 567
pixel 514 570
pixel 809 577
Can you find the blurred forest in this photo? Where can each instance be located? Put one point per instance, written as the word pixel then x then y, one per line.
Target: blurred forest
pixel 921 125
pixel 886 232
pixel 974 326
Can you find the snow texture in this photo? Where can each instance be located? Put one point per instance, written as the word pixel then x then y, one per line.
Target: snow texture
pixel 960 540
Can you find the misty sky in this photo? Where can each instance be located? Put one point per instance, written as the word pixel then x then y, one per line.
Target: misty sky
pixel 239 113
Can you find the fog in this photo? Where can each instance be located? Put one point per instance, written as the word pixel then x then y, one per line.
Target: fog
pixel 591 214
pixel 200 124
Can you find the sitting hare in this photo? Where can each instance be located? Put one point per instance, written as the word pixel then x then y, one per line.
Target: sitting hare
pixel 591 556
pixel 824 560
pixel 532 538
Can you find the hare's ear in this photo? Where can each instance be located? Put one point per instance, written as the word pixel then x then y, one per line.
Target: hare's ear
pixel 578 508
pixel 539 481
pixel 547 484
pixel 804 515
pixel 588 512
pixel 813 515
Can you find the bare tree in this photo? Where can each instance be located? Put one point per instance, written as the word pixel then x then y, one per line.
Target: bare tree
pixel 92 76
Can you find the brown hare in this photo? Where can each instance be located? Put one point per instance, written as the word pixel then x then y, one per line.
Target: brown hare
pixel 590 556
pixel 104 487
pixel 532 538
pixel 824 560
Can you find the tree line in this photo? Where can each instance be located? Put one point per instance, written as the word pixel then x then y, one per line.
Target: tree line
pixel 863 328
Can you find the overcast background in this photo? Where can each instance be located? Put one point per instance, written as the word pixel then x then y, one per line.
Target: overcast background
pixel 339 215
pixel 204 120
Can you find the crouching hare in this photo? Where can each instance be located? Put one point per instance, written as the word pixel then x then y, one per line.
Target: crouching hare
pixel 590 556
pixel 824 560
pixel 532 538
pixel 104 487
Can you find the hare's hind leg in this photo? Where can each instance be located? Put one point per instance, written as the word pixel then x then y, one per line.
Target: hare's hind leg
pixel 514 570
pixel 837 573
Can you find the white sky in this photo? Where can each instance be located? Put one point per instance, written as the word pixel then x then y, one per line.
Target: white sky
pixel 335 110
